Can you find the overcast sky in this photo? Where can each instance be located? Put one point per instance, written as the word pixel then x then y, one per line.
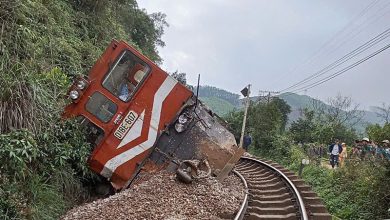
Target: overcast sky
pixel 273 44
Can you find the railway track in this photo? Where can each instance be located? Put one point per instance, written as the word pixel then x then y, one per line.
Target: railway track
pixel 273 192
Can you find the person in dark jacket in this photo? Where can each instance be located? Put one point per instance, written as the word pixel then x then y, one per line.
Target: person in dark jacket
pixel 334 150
pixel 247 141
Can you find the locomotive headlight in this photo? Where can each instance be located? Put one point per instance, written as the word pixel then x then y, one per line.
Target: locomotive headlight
pixel 182 122
pixel 179 127
pixel 81 84
pixel 182 119
pixel 74 94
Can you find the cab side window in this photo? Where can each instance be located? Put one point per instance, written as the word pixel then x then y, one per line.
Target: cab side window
pixel 125 76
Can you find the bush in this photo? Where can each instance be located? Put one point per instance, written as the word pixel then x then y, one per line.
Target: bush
pixel 357 191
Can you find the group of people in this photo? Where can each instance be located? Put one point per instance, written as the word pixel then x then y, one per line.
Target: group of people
pixel 369 149
pixel 362 149
pixel 338 152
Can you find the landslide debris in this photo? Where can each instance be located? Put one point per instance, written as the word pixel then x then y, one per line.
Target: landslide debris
pixel 164 197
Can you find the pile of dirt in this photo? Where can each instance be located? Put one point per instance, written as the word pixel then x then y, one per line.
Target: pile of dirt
pixel 164 197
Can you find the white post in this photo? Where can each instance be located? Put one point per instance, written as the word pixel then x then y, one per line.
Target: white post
pixel 245 114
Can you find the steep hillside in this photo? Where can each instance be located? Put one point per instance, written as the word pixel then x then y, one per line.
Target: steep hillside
pixel 218 105
pixel 210 91
pixel 299 101
pixel 43 46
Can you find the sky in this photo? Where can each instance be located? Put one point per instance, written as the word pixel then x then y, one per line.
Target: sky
pixel 273 44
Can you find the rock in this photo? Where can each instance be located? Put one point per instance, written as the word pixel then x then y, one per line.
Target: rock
pixel 163 197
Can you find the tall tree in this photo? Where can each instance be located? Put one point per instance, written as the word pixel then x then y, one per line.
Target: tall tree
pixel 265 121
pixel 284 109
pixel 383 112
pixel 327 122
pixel 343 111
pixel 303 129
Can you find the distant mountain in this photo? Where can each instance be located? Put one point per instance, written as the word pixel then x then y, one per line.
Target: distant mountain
pixel 222 102
pixel 298 102
pixel 219 100
pixel 218 105
pixel 211 91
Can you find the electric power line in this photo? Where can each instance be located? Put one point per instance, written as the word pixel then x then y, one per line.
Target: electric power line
pixel 343 70
pixel 318 52
pixel 343 59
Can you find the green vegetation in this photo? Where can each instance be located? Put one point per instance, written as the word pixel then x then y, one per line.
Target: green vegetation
pixel 359 190
pixel 43 46
pixel 378 132
pixel 265 121
pixel 219 106
pixel 210 91
pixel 301 102
pixel 297 104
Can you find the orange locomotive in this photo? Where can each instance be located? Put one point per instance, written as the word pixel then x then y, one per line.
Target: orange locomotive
pixel 134 111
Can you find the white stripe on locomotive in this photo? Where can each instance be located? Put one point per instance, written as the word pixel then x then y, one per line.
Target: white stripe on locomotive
pixel 161 94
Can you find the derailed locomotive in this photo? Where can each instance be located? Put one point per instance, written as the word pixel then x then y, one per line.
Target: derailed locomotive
pixel 136 114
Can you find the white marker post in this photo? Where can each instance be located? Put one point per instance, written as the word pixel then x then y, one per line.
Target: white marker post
pixel 246 93
pixel 240 150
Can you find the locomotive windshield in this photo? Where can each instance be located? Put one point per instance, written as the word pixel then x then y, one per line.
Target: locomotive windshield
pixel 125 76
pixel 101 107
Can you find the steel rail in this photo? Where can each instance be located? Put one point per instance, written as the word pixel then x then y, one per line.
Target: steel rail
pixel 244 205
pixel 302 208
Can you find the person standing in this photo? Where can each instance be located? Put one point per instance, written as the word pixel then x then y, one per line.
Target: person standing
pixel 365 148
pixel 343 155
pixel 247 141
pixel 356 149
pixel 334 150
pixel 386 149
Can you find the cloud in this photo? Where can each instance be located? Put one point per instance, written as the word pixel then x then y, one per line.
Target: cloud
pixel 233 43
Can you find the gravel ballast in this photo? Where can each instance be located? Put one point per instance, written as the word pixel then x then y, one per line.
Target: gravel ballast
pixel 164 197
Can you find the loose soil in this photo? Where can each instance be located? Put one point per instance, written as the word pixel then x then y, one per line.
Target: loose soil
pixel 164 197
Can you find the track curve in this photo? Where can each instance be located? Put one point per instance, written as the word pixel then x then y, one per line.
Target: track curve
pixel 274 192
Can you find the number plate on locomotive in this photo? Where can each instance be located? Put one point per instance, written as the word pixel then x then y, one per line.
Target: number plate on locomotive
pixel 124 127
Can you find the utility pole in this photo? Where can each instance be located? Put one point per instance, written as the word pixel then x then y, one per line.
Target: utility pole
pixel 268 96
pixel 248 92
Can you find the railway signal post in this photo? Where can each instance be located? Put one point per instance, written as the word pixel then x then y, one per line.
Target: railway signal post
pixel 246 93
pixel 240 151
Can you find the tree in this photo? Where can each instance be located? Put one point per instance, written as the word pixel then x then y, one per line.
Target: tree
pixel 284 109
pixel 146 32
pixel 43 45
pixel 303 129
pixel 181 77
pixel 383 112
pixel 265 122
pixel 322 123
pixel 378 133
pixel 343 111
